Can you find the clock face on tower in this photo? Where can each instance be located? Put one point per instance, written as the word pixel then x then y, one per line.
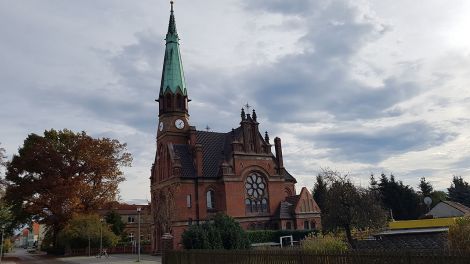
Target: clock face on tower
pixel 160 127
pixel 179 123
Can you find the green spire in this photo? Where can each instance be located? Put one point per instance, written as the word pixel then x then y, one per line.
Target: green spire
pixel 172 75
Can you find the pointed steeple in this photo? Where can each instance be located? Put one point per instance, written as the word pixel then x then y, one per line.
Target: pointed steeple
pixel 172 74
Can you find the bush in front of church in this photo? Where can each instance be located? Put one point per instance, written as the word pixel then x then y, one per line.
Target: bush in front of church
pixel 324 244
pixel 222 232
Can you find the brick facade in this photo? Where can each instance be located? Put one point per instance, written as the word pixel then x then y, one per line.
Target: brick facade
pixel 235 172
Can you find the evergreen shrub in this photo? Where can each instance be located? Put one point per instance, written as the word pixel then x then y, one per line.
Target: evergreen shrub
pixel 222 232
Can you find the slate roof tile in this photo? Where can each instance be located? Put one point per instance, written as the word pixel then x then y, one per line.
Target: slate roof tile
pixel 184 153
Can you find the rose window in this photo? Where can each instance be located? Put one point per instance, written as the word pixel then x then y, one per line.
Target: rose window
pixel 256 197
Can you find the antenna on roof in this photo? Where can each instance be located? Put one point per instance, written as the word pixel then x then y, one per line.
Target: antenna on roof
pixel 428 202
pixel 208 128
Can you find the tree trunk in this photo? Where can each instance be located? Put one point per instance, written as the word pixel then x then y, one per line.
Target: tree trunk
pixel 347 228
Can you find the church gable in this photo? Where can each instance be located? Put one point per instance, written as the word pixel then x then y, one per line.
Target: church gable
pixel 305 203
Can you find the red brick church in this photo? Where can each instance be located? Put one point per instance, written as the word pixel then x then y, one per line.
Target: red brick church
pixel 199 173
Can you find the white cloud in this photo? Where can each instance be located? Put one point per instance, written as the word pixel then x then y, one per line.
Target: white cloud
pixel 315 70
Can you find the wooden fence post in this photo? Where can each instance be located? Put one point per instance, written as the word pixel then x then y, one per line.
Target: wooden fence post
pixel 167 245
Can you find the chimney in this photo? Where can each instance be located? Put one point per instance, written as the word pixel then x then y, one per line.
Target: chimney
pixel 192 136
pixel 278 148
pixel 199 160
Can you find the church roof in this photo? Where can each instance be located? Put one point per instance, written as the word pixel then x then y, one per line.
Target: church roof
pixel 183 152
pixel 216 148
pixel 172 75
pixel 213 147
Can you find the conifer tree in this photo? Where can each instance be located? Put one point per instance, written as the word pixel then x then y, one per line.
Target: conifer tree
pixel 319 192
pixel 425 187
pixel 459 191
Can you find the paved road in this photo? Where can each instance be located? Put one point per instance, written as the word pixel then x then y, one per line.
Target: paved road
pixel 20 256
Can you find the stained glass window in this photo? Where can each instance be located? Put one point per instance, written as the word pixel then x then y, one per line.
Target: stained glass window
pixel 256 196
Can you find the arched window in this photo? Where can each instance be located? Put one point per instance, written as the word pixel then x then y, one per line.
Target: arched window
pixel 256 200
pixel 248 205
pixel 264 205
pixel 210 199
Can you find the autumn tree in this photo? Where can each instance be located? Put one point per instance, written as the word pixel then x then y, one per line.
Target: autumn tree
pixel 85 230
pixel 61 173
pixel 349 207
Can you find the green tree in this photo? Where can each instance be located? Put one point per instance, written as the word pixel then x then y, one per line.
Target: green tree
pixel 425 187
pixel 85 228
pixel 437 197
pixel 221 232
pixel 319 191
pixel 459 191
pixel 204 236
pixel 62 173
pixel 349 207
pixel 115 221
pixel 401 199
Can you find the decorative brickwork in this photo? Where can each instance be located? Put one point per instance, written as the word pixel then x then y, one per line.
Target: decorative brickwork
pixel 234 172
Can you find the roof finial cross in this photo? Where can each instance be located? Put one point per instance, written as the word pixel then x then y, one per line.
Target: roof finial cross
pixel 247 106
pixel 208 128
pixel 171 3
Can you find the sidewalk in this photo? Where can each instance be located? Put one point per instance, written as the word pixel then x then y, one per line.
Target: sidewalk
pixel 118 259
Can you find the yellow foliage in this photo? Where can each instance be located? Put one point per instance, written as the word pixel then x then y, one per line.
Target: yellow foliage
pixel 459 235
pixel 327 243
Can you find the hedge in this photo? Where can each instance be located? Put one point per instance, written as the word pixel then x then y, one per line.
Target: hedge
pixel 263 236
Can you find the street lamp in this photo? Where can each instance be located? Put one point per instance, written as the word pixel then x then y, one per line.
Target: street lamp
pixel 101 237
pixel 138 235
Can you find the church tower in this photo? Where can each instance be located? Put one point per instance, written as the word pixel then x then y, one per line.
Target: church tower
pixel 198 174
pixel 173 97
pixel 172 133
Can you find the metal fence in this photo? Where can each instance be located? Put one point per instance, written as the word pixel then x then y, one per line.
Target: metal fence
pixel 306 257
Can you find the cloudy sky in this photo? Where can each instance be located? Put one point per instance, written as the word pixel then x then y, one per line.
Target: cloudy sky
pixel 358 86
